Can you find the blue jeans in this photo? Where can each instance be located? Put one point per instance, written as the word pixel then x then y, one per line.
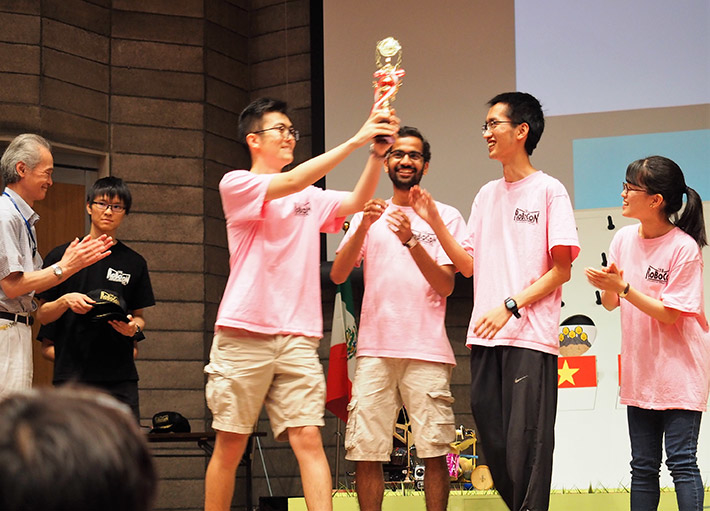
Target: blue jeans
pixel 646 430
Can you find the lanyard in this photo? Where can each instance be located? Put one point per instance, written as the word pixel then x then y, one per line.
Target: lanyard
pixel 33 243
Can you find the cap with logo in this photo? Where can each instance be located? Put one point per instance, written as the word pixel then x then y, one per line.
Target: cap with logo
pixel 109 306
pixel 170 422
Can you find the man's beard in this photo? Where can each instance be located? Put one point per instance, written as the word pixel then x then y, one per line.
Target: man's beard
pixel 405 185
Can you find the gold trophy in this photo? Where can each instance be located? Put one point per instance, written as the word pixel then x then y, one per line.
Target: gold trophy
pixel 388 57
pixel 388 77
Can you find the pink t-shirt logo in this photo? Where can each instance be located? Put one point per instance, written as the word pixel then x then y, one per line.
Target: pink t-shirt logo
pixel 302 208
pixel 656 274
pixel 428 238
pixel 526 217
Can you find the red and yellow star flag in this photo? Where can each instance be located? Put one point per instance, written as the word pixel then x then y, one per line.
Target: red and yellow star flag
pixel 576 372
pixel 577 382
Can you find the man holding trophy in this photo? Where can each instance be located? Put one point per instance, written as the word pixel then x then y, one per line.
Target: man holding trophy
pixel 269 323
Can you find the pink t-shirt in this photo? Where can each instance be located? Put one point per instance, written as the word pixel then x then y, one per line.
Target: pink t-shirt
pixel 402 316
pixel 512 230
pixel 663 366
pixel 274 251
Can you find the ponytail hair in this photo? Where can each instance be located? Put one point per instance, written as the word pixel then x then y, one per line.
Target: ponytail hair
pixel 661 175
pixel 692 220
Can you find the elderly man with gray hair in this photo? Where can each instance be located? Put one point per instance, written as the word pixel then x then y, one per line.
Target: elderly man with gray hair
pixel 27 167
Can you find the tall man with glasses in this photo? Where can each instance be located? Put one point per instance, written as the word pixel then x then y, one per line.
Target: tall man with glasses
pixel 27 167
pixel 521 244
pixel 269 323
pixel 85 348
pixel 403 353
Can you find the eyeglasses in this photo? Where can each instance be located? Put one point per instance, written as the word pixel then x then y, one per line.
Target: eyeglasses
pixel 631 188
pixel 283 131
pixel 102 206
pixel 489 125
pixel 413 155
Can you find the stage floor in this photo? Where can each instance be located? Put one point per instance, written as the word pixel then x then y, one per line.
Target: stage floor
pixel 410 500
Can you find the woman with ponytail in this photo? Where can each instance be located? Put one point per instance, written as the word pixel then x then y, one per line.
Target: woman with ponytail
pixel 656 276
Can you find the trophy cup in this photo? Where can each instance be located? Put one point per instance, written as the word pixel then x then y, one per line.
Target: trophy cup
pixel 388 57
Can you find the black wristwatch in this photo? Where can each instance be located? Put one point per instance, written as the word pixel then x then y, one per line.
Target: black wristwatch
pixel 411 242
pixel 512 306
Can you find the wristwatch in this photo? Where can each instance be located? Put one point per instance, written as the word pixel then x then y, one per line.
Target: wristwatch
pixel 625 291
pixel 411 242
pixel 512 306
pixel 57 270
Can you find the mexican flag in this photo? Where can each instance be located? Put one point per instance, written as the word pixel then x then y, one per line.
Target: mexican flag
pixel 343 341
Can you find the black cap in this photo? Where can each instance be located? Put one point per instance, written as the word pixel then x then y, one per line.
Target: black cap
pixel 170 422
pixel 109 306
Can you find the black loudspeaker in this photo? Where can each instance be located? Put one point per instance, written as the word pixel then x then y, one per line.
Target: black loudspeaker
pixel 273 503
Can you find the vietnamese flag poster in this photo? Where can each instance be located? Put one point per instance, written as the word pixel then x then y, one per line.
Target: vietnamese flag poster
pixel 576 383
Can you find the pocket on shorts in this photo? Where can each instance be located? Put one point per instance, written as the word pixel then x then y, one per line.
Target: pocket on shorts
pixel 218 384
pixel 443 395
pixel 351 426
pixel 440 428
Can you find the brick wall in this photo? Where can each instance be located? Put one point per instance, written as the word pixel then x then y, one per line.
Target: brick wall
pixel 156 87
pixel 158 140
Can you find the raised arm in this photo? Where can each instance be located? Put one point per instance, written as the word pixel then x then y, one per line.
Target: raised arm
pixel 79 254
pixel 380 122
pixel 349 253
pixel 423 204
pixel 366 185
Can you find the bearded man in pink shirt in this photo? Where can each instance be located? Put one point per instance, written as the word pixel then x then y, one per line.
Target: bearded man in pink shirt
pixel 521 243
pixel 403 353
pixel 269 323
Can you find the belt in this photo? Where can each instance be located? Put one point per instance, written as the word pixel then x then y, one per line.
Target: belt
pixel 17 318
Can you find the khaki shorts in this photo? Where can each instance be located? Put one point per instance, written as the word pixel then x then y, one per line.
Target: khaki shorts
pixel 281 372
pixel 380 388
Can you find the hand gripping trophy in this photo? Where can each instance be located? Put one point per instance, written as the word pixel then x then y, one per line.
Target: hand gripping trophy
pixel 388 57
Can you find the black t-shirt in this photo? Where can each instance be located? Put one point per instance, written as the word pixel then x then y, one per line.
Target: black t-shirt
pixel 92 351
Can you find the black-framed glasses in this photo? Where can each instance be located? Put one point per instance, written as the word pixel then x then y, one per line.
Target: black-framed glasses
pixel 413 155
pixel 284 131
pixel 632 188
pixel 103 206
pixel 489 125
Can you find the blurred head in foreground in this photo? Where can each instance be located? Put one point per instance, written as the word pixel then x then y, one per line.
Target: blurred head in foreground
pixel 75 449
